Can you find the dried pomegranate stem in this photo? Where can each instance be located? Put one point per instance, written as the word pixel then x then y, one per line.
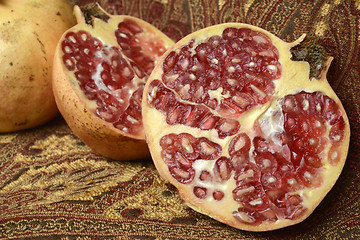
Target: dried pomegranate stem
pixel 311 51
pixel 93 10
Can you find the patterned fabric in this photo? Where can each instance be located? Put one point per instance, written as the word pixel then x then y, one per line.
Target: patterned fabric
pixel 52 186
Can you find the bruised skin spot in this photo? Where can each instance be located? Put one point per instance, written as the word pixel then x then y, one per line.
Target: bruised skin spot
pixel 10 30
pixel 19 124
pixel 42 47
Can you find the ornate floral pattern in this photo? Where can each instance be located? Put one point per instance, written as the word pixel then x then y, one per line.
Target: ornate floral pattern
pixel 53 186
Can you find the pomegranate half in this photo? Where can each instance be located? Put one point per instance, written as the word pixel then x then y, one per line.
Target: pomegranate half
pixel 245 125
pixel 100 68
pixel 29 33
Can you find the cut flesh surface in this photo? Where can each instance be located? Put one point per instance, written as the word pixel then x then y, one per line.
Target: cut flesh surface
pixel 101 66
pixel 241 130
pixel 111 72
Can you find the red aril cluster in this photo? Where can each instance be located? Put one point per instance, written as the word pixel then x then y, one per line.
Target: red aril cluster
pixel 101 66
pixel 242 130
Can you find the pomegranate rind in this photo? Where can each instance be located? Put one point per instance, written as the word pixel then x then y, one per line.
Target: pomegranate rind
pixel 100 136
pixel 79 112
pixel 28 39
pixel 294 78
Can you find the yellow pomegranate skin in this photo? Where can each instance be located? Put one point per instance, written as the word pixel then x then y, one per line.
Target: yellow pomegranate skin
pixel 29 32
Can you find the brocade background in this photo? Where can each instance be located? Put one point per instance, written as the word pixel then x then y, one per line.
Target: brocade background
pixel 52 186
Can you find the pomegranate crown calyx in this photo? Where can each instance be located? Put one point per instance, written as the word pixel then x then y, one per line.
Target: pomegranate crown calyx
pixel 311 51
pixel 91 11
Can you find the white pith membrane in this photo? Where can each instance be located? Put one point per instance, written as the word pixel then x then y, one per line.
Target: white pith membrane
pixel 265 120
pixel 116 112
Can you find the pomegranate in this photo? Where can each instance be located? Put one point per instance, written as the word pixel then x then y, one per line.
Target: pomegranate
pixel 100 68
pixel 245 125
pixel 29 32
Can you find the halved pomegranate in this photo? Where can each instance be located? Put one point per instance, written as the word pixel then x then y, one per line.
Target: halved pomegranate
pixel 100 68
pixel 246 126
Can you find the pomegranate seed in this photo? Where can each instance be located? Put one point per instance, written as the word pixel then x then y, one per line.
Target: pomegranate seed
pixel 200 192
pixel 218 195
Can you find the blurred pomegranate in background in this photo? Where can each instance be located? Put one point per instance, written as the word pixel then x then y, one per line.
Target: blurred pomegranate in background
pixel 29 32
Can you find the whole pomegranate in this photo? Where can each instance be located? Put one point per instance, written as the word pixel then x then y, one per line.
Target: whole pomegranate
pixel 29 32
pixel 245 125
pixel 100 68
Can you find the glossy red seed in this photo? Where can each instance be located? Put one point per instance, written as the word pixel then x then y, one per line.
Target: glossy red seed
pixel 330 110
pixel 289 206
pixel 271 180
pixel 313 161
pixel 182 175
pixel 240 144
pixel 292 182
pixel 222 169
pixel 200 192
pixel 205 176
pixel 251 196
pixel 246 173
pixel 218 195
pixel 207 149
pixel 337 131
pixel 334 155
pixel 238 161
pixel 260 144
pixel 266 162
pixel 309 176
pixel 248 217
